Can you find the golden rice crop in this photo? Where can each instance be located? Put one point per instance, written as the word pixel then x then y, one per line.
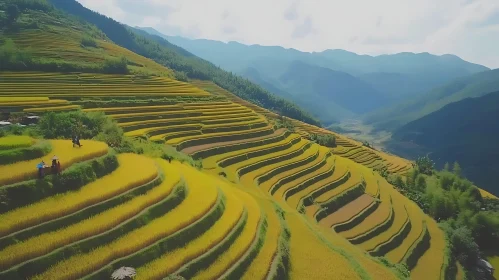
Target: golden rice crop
pixel 310 258
pixel 431 261
pixel 55 108
pixel 355 179
pixel 374 219
pixel 248 178
pixel 240 245
pixel 376 270
pixel 173 260
pixel 261 263
pixel 401 216
pixel 486 194
pixel 339 171
pixel 99 223
pixel 251 160
pixel 21 99
pixel 494 261
pixel 212 162
pixel 15 141
pixel 35 103
pixel 416 217
pixel 133 171
pixel 177 141
pixel 68 155
pixel 279 194
pixel 314 150
pixel 200 199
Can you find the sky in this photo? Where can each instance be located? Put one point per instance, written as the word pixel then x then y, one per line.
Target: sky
pixel 466 28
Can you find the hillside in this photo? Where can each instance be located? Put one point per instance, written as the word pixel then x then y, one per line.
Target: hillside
pixel 181 178
pixel 461 131
pixel 116 35
pixel 397 115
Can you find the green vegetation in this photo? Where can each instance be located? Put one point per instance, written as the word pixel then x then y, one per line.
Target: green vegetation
pixel 283 122
pixel 451 135
pixel 425 165
pixel 88 42
pixel 327 140
pixel 470 222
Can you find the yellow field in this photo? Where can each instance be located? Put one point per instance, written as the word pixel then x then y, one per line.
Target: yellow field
pixel 486 194
pixel 49 241
pixel 309 254
pixel 240 245
pixel 430 264
pixel 22 99
pixel 400 218
pixel 13 141
pixel 134 170
pixel 201 198
pixel 416 217
pixel 494 261
pixel 171 261
pixel 63 149
pixel 260 266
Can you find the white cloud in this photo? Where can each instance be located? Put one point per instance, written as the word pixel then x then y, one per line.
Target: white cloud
pixel 462 27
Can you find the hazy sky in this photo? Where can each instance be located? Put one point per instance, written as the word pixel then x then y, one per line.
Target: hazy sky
pixel 467 28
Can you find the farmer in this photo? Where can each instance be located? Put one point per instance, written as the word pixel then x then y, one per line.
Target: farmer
pixel 54 167
pixel 76 141
pixel 58 167
pixel 40 167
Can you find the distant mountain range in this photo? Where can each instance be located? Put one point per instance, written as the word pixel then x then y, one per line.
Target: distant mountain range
pixel 419 106
pixel 466 131
pixel 339 76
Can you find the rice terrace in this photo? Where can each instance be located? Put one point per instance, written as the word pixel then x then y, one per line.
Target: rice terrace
pixel 122 155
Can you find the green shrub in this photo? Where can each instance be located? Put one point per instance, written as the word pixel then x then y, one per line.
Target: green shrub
pixel 116 66
pixel 88 42
pixel 326 140
pixel 14 155
pixel 425 165
pixel 181 76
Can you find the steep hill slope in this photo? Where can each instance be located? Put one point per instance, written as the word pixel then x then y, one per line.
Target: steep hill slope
pixel 465 131
pixel 472 86
pixel 180 60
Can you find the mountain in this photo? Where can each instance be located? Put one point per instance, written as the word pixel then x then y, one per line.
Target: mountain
pixel 400 114
pixel 330 89
pixel 466 131
pixel 185 64
pixel 395 77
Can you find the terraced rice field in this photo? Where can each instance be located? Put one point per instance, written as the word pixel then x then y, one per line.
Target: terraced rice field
pixel 68 155
pixel 13 142
pixel 267 205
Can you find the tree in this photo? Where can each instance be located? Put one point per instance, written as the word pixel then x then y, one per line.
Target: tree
pixel 425 165
pixel 13 13
pixel 446 167
pixel 456 169
pixel 420 183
